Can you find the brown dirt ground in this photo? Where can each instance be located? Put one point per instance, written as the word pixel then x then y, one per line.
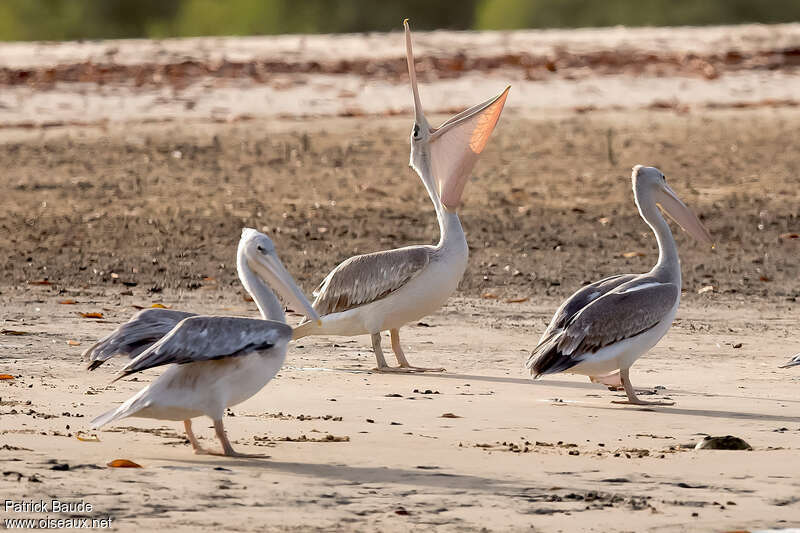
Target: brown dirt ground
pixel 144 208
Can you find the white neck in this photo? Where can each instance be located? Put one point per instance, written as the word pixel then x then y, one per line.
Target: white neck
pixel 451 234
pixel 267 302
pixel 668 266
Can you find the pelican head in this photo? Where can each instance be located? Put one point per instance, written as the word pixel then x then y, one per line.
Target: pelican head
pixel 649 182
pixel 445 156
pixel 259 253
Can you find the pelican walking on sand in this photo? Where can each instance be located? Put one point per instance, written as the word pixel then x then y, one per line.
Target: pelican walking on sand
pixel 381 291
pixel 218 362
pixel 606 326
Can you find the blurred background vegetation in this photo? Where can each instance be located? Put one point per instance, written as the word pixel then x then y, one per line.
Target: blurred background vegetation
pixel 96 19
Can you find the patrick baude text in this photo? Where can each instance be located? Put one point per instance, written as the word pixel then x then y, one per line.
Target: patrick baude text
pixel 47 506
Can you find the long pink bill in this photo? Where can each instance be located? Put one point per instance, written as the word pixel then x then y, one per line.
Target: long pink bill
pixel 419 116
pixel 684 216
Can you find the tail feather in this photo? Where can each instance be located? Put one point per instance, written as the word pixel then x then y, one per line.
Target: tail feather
pixel 88 351
pixel 547 357
pixel 552 362
pixel 130 407
pixel 105 418
pixel 795 361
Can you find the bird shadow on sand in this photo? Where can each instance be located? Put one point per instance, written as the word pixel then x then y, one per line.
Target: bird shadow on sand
pixel 424 475
pixel 735 415
pixel 490 379
pixel 564 384
pixel 585 385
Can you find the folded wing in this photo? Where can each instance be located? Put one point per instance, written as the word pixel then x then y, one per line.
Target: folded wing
pixel 204 338
pixel 367 278
pixel 134 336
pixel 621 314
pixel 582 298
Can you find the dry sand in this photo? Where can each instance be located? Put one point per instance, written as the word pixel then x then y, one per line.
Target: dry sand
pixel 121 215
pixel 553 455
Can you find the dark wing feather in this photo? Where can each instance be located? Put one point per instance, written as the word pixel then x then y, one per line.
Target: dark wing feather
pixel 794 361
pixel 203 338
pixel 583 297
pixel 611 318
pixel 134 336
pixel 366 278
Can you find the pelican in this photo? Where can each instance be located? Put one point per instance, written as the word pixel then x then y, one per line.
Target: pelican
pixel 606 326
pixel 381 291
pixel 217 362
pixel 794 361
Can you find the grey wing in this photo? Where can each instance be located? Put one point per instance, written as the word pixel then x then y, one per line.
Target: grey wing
pixel 794 361
pixel 366 278
pixel 134 336
pixel 583 297
pixel 203 338
pixel 613 317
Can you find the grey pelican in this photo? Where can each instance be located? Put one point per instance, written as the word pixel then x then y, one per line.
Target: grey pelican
pixel 794 361
pixel 381 291
pixel 606 326
pixel 217 362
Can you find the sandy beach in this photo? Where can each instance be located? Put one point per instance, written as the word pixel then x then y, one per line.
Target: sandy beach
pixel 481 446
pixel 106 217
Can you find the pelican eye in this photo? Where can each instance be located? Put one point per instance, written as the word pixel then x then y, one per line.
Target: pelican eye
pixel 261 249
pixel 416 131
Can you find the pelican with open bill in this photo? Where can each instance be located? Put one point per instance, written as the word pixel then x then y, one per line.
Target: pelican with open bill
pixel 217 361
pixel 381 291
pixel 604 327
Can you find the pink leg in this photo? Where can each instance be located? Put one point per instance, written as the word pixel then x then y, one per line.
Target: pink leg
pixel 401 357
pixel 631 392
pixel 227 449
pixel 404 367
pixel 199 450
